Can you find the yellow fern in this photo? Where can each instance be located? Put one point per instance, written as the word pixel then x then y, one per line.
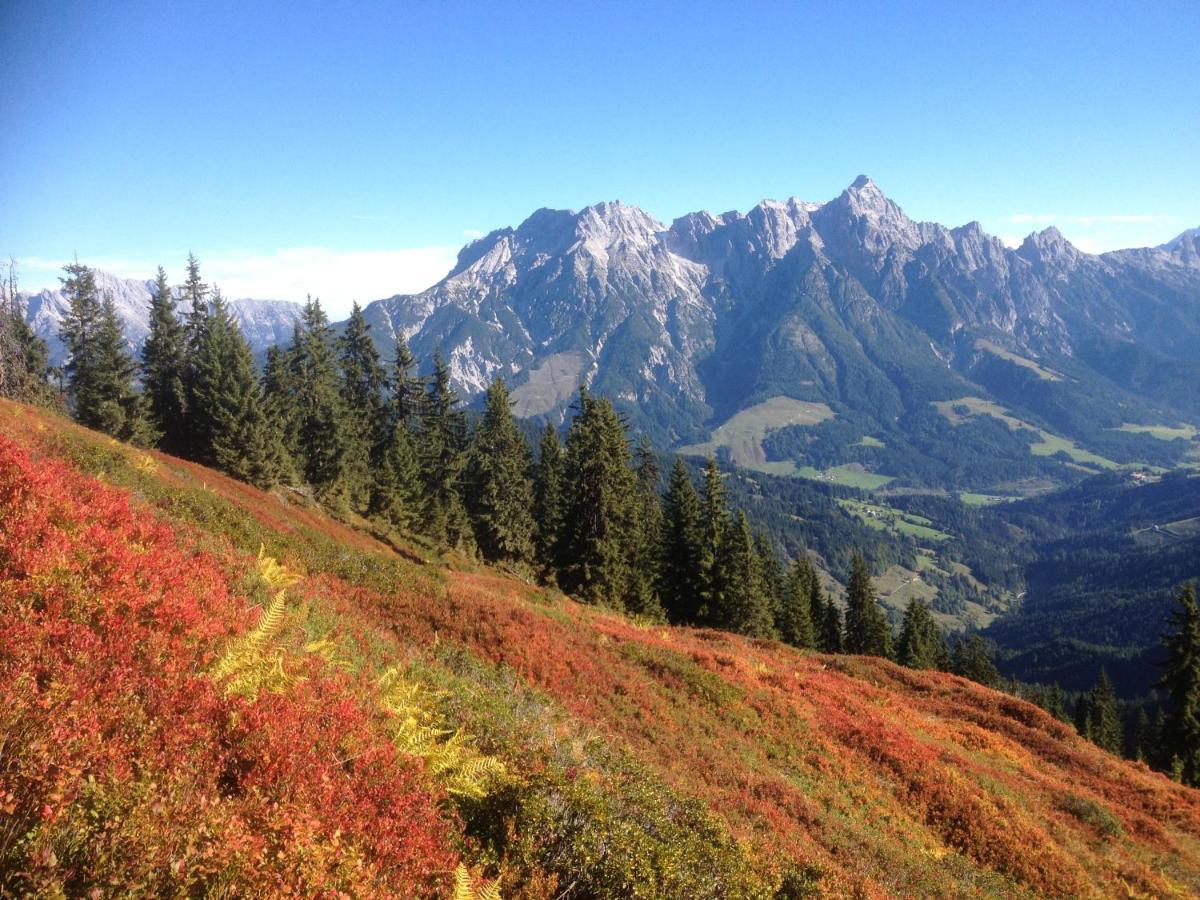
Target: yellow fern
pixel 465 890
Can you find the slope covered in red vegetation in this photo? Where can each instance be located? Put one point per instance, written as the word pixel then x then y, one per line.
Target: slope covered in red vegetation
pixel 637 760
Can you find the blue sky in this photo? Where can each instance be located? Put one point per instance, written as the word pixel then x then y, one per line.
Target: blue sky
pixel 349 149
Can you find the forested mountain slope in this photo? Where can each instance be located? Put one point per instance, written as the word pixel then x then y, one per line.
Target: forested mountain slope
pixel 209 689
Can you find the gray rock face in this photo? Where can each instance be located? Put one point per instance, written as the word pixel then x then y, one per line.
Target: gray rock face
pixel 848 302
pixel 263 322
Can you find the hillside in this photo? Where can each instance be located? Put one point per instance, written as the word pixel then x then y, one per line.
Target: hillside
pixel 183 716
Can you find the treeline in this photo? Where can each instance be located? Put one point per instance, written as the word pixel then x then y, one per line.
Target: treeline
pixel 24 359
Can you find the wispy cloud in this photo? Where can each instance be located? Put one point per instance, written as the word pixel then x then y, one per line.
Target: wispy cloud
pixel 338 277
pixel 473 233
pixel 1048 218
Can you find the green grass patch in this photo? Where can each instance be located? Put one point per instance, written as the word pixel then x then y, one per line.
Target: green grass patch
pixel 1161 432
pixel 743 433
pixel 869 441
pixel 996 350
pixel 850 475
pixel 887 518
pixel 972 499
pixel 1052 444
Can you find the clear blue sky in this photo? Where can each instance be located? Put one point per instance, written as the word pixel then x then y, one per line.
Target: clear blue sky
pixel 377 137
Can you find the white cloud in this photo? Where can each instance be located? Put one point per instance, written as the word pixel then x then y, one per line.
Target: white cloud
pixel 338 277
pixel 473 233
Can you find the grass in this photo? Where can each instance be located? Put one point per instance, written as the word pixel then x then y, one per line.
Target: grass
pixel 887 518
pixel 869 441
pixel 743 433
pixel 1052 444
pixel 849 475
pixel 973 499
pixel 996 350
pixel 1161 432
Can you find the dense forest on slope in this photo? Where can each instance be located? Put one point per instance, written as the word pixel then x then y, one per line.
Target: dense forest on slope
pixel 219 689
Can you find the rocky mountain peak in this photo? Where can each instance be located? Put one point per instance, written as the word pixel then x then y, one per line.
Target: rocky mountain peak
pixel 1049 247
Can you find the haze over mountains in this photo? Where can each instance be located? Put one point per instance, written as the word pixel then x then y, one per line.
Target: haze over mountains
pixel 848 318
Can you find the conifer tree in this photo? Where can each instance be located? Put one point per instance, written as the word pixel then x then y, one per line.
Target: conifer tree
pixel 368 418
pixel 771 575
pixel 548 502
pixel 100 371
pixel 441 450
pixel 499 493
pixel 1143 747
pixel 867 630
pixel 321 446
pixel 644 598
pixel 397 497
pixel 1101 719
pixel 164 368
pixel 679 577
pixel 714 522
pixel 408 390
pixel 795 623
pixel 972 659
pixel 195 298
pixel 228 406
pixel 740 601
pixel 832 633
pixel 279 396
pixel 922 645
pixel 599 522
pixel 1181 678
pixel 24 357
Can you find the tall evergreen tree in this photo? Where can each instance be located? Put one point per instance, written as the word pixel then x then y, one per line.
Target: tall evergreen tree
pixel 228 406
pixel 441 449
pixel 714 522
pixel 740 601
pixel 100 371
pixel 24 357
pixel 795 622
pixel 1101 719
pixel 164 368
pixel 408 389
pixel 599 522
pixel 922 644
pixel 832 637
pixel 973 659
pixel 368 417
pixel 680 584
pixel 397 497
pixel 279 394
pixel 320 415
pixel 548 502
pixel 1181 678
pixel 499 493
pixel 644 598
pixel 867 630
pixel 771 575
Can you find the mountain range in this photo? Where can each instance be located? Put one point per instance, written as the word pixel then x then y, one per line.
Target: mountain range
pixel 839 340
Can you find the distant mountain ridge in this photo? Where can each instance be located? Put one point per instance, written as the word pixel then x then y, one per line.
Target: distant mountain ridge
pixel 263 322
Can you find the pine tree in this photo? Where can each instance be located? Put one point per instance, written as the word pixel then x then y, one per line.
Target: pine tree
pixel 368 417
pixel 867 629
pixel 397 498
pixel 679 556
pixel 279 395
pixel 1144 746
pixel 499 493
pixel 795 622
pixel 599 523
pixel 321 445
pixel 833 638
pixel 714 522
pixel 24 357
pixel 1181 678
pixel 195 296
pixel 164 368
pixel 644 599
pixel 548 502
pixel 1101 720
pixel 973 659
pixel 408 390
pixel 228 405
pixel 922 645
pixel 771 575
pixel 740 600
pixel 441 449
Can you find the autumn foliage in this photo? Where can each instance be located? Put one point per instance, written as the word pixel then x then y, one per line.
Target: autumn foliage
pixel 638 760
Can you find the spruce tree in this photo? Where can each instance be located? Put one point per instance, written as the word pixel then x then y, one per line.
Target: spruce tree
pixel 279 394
pixel 771 574
pixel 548 502
pixel 973 659
pixel 24 357
pixel 714 522
pixel 833 638
pixel 644 599
pixel 680 584
pixel 320 433
pixel 600 536
pixel 397 497
pixel 795 623
pixel 499 493
pixel 164 368
pixel 408 389
pixel 867 629
pixel 78 333
pixel 441 449
pixel 741 603
pixel 921 645
pixel 228 406
pixel 1102 721
pixel 1181 678
pixel 368 417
